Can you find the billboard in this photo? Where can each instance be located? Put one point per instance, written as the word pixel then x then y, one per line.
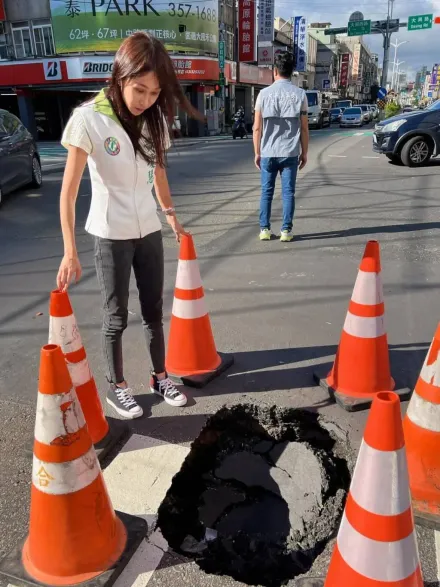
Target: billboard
pixel 246 30
pixel 102 25
pixel 266 12
pixel 434 74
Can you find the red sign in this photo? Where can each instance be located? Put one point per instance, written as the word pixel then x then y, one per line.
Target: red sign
pixel 251 74
pixel 343 77
pixel 246 30
pixel 196 69
pixel 2 11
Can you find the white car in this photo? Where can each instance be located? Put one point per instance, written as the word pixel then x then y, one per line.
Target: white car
pixel 352 117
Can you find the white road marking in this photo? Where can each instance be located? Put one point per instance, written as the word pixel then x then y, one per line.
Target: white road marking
pixel 437 551
pixel 358 134
pixel 368 157
pixel 137 481
pixel 338 156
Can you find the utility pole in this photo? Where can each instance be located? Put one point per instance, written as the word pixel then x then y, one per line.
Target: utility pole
pixel 396 45
pixel 386 45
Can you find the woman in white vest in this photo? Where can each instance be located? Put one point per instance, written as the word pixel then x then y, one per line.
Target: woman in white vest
pixel 122 134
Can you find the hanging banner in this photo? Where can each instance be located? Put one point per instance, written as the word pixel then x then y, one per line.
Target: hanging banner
pixel 296 38
pixel 301 54
pixel 246 30
pixel 345 63
pixel 266 15
pixel 434 74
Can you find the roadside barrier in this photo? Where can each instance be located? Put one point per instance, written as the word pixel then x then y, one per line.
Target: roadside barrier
pixel 362 365
pixel 192 357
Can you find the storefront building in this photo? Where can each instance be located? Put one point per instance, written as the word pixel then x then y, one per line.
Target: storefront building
pixel 55 52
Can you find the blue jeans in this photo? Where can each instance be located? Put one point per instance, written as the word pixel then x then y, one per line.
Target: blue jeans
pixel 287 167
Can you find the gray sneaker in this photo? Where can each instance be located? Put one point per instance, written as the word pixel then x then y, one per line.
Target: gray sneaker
pixel 124 403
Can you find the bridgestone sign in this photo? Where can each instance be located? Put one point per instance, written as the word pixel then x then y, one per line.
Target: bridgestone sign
pixel 90 67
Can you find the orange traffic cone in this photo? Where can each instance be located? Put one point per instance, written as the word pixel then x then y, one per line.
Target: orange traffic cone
pixel 376 543
pixel 64 331
pixel 421 426
pixel 192 357
pixel 74 533
pixel 362 365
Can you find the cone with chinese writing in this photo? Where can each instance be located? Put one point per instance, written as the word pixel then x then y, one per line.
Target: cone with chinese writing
pixel 75 535
pixel 64 331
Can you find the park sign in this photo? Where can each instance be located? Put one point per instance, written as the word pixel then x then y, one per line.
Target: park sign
pixel 357 28
pixel 102 25
pixel 420 22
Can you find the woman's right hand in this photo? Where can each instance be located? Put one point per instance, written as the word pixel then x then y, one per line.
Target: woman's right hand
pixel 70 268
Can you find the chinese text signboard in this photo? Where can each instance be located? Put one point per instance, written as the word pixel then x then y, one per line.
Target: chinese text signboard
pixel 434 74
pixel 102 25
pixel 266 12
pixel 2 11
pixel 246 30
pixel 300 43
pixel 345 63
pixel 221 55
pixel 357 28
pixel 420 22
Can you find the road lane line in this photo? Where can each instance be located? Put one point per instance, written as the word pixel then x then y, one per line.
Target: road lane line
pixel 137 481
pixel 338 156
pixel 368 157
pixel 437 551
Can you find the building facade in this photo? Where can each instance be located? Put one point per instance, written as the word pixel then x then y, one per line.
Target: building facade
pixel 53 53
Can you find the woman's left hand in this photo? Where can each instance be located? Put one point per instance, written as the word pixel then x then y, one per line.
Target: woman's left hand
pixel 177 227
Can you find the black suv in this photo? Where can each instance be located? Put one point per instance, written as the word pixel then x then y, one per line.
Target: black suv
pixel 411 138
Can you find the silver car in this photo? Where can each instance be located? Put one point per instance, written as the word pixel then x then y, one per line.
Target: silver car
pixel 352 117
pixel 366 112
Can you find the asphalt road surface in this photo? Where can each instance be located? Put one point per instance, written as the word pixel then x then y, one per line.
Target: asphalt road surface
pixel 278 307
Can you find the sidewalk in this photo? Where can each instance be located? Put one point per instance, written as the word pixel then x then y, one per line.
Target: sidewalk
pixel 53 154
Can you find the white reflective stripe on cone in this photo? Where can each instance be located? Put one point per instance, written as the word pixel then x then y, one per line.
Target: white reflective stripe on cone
pixel 368 288
pixel 423 413
pixel 188 275
pixel 189 309
pixel 79 372
pixel 57 415
pixel 64 332
pixel 380 481
pixel 364 327
pixel 62 478
pixel 381 561
pixel 431 373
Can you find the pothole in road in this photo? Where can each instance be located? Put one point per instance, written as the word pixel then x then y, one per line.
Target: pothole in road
pixel 259 495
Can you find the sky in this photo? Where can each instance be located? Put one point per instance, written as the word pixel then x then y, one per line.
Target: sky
pixel 422 47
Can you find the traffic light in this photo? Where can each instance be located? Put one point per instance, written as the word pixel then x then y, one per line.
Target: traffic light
pixel 218 91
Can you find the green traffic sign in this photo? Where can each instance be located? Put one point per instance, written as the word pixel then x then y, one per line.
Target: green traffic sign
pixel 221 54
pixel 420 22
pixel 221 78
pixel 356 28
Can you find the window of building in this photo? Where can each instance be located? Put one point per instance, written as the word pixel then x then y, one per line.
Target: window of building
pixel 43 36
pixel 21 35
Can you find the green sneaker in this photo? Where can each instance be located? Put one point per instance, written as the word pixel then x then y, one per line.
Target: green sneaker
pixel 265 234
pixel 286 236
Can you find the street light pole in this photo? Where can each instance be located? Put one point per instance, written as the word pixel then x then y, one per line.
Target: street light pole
pixel 396 45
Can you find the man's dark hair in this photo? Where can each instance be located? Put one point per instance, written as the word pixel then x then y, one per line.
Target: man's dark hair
pixel 284 64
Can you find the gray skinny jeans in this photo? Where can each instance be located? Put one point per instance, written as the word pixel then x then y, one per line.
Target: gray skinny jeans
pixel 114 260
